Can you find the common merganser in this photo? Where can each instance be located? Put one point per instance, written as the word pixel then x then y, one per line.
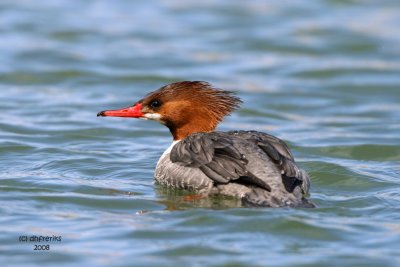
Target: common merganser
pixel 253 166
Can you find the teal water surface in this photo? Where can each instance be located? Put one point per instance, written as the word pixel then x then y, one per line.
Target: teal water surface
pixel 322 75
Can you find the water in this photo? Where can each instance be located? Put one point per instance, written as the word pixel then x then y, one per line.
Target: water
pixel 323 75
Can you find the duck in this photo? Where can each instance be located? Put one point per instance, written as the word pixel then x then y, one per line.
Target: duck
pixel 256 167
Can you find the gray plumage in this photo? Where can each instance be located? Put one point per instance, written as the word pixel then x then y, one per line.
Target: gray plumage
pixel 253 166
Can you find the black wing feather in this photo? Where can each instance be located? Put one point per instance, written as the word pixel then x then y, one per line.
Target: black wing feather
pixel 279 152
pixel 217 157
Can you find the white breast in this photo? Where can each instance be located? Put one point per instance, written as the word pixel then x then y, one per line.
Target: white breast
pixel 178 176
pixel 167 151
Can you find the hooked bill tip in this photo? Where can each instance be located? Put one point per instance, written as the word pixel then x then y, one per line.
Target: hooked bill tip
pixel 101 114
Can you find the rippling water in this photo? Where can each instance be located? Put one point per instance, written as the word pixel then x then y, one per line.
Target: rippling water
pixel 323 75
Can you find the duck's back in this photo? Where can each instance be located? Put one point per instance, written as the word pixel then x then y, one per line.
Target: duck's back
pixel 254 166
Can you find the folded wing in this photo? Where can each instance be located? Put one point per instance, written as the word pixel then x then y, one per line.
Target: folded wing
pixel 219 158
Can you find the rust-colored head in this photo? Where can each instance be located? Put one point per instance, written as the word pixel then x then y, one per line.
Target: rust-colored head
pixel 184 107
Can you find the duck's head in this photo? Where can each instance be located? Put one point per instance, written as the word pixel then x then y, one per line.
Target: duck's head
pixel 184 107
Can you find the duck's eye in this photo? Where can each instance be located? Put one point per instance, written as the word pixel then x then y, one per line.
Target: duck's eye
pixel 155 104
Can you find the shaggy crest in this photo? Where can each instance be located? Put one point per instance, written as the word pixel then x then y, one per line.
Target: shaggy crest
pixel 219 103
